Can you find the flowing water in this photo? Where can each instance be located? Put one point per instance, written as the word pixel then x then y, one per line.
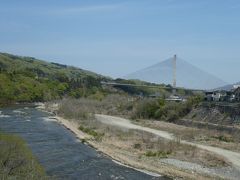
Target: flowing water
pixel 62 155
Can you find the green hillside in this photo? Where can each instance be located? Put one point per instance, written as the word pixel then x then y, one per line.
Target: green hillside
pixel 26 79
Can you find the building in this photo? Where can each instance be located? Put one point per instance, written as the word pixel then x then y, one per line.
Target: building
pixel 237 94
pixel 230 96
pixel 223 96
pixel 209 96
pixel 214 95
pixel 236 86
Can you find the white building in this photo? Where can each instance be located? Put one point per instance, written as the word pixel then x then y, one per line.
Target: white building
pixel 236 86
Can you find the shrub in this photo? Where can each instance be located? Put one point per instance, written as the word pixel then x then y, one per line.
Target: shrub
pixel 224 138
pixel 77 108
pixel 159 154
pixel 163 110
pixel 96 135
pixel 137 146
pixel 17 161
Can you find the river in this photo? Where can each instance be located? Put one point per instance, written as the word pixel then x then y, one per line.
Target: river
pixel 59 151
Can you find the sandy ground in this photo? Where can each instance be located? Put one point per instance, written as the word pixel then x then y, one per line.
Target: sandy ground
pixel 231 156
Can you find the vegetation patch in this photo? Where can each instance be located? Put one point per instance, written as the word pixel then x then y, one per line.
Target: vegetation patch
pixel 17 161
pixel 159 154
pixel 137 146
pixel 163 110
pixel 26 79
pixel 96 135
pixel 224 138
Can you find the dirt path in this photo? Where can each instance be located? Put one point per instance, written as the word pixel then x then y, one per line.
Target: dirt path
pixel 231 156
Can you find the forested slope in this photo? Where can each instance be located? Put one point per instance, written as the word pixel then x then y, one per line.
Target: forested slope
pixel 26 79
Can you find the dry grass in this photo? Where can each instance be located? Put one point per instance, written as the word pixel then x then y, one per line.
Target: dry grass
pixel 85 108
pixel 147 145
pixel 133 146
pixel 204 136
pixel 144 144
pixel 123 106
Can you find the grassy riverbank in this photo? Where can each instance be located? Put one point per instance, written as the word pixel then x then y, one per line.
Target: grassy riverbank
pixel 17 160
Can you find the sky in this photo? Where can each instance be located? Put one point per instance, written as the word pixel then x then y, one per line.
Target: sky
pixel 118 37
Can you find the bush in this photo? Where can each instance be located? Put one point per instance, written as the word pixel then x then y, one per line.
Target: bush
pixel 137 146
pixel 85 108
pixel 17 161
pixel 96 135
pixel 159 154
pixel 163 110
pixel 149 108
pixel 224 138
pixel 77 108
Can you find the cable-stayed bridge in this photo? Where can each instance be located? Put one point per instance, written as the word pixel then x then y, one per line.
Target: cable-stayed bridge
pixel 174 81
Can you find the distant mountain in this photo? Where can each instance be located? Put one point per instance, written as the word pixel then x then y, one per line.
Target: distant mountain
pixel 188 76
pixel 227 87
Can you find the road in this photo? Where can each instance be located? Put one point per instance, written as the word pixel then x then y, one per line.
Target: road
pixel 231 156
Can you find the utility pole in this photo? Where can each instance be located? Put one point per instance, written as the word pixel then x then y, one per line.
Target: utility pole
pixel 174 74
